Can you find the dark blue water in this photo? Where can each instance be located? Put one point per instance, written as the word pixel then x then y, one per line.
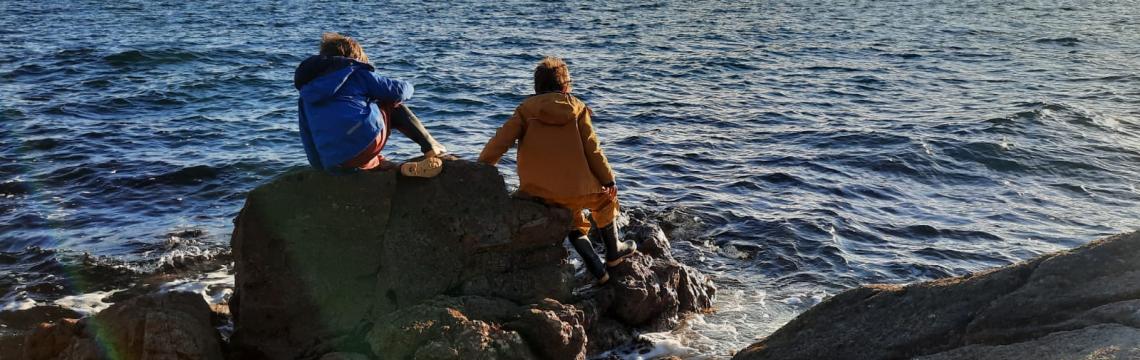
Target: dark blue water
pixel 801 147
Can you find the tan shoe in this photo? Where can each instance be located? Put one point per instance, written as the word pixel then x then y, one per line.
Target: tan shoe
pixel 426 168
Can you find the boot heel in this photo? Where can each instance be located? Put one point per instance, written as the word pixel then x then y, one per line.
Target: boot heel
pixel 630 249
pixel 616 252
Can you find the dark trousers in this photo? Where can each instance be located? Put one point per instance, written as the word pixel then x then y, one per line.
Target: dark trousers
pixel 405 121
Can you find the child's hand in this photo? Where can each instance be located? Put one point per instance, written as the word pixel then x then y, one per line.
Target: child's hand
pixel 610 190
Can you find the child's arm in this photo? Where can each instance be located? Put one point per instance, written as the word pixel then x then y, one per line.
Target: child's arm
pixel 599 165
pixel 387 91
pixel 502 141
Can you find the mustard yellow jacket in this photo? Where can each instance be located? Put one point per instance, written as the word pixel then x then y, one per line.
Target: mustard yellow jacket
pixel 558 152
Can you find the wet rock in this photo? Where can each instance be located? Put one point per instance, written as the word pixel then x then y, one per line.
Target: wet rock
pixel 433 268
pixel 553 330
pixel 157 326
pixel 1081 303
pixel 49 340
pixel 651 287
pixel 445 328
pixel 16 325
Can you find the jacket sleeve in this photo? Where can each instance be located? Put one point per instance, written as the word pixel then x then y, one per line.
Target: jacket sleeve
pixel 599 165
pixel 387 90
pixel 307 137
pixel 503 139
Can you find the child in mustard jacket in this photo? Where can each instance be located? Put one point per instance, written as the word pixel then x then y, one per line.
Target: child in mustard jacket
pixel 561 162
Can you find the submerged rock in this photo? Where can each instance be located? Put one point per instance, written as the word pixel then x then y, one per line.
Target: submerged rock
pixel 1077 304
pixel 379 265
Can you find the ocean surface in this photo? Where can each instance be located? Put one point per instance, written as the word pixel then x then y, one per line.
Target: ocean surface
pixel 798 148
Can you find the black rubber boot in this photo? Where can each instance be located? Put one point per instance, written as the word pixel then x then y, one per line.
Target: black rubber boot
pixel 616 252
pixel 589 257
pixel 405 121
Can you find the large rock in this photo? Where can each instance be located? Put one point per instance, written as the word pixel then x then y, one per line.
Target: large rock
pixel 401 268
pixel 1082 303
pixel 18 324
pixel 156 326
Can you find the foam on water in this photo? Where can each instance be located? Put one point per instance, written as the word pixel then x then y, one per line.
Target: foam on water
pixel 87 304
pixel 216 287
pixel 653 346
pixel 16 301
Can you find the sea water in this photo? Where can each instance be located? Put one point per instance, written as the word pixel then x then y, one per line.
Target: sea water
pixel 796 148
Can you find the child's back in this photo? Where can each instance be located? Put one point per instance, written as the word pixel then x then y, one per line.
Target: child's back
pixel 558 153
pixel 561 162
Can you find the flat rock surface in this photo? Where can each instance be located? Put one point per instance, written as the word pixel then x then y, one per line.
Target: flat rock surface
pixel 1076 304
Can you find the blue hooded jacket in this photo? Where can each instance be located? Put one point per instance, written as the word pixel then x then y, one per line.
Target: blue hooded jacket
pixel 337 109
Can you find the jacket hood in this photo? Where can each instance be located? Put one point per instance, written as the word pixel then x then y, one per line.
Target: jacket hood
pixel 319 76
pixel 557 108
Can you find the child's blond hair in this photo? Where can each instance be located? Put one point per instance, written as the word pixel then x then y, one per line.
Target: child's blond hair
pixel 333 44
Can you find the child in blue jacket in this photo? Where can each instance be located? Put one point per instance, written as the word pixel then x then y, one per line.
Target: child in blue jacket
pixel 346 112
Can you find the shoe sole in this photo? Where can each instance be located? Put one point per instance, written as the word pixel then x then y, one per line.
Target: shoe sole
pixel 425 168
pixel 618 261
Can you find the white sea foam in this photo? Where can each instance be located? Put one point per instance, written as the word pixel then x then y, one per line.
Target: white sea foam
pixel 17 301
pixel 215 287
pixel 86 304
pixel 731 251
pixel 742 316
pixel 663 344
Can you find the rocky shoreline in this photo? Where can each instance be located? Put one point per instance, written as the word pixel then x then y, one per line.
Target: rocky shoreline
pixel 374 265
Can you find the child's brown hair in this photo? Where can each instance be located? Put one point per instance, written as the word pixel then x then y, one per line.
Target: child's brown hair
pixel 551 75
pixel 333 44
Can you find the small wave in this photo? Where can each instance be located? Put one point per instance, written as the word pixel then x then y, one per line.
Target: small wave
pixel 867 80
pixel 918 271
pixel 1124 78
pixel 72 176
pixel 923 231
pixel 192 175
pixel 1045 112
pixel 150 57
pixel 949 254
pixel 15 187
pixel 780 178
pixel 27 70
pixel 907 56
pixel 1063 41
pixel 832 68
pixel 1073 188
pixel 41 144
